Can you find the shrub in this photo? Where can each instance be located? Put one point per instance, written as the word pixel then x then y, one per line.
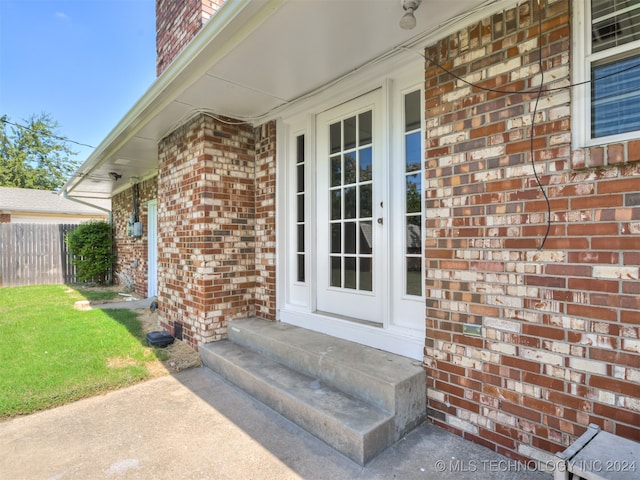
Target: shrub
pixel 91 247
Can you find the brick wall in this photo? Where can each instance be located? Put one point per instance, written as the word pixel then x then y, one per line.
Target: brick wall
pixel 131 249
pixel 561 325
pixel 265 300
pixel 5 217
pixel 177 22
pixel 206 227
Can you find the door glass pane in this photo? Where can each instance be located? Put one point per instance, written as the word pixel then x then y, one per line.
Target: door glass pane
pixel 413 158
pixel 350 237
pixel 336 171
pixel 336 272
pixel 365 131
pixel 300 175
pixel 412 109
pixel 413 191
pixel 366 275
pixel 365 164
pixel 414 276
pixel 301 267
pixel 350 133
pixel 349 168
pixel 335 137
pixel 300 208
pixel 336 237
pixel 350 279
pixel 366 238
pixel 366 199
pixel 301 238
pixel 414 234
pixel 336 204
pixel 350 202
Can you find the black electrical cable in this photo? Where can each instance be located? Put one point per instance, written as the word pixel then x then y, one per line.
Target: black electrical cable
pixel 533 123
pixel 527 92
pixel 538 92
pixel 50 135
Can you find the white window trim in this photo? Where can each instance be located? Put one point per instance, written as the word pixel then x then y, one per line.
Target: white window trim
pixel 581 94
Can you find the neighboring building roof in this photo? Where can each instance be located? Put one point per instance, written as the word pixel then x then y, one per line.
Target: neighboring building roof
pixel 45 201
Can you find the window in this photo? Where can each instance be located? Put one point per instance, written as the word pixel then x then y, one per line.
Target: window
pixel 612 53
pixel 300 221
pixel 413 192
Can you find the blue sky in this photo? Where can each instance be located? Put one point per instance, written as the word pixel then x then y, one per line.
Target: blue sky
pixel 84 62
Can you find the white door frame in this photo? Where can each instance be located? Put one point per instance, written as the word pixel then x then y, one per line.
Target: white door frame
pixel 152 248
pixel 297 300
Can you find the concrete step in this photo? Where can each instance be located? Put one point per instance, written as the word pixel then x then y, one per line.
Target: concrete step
pixel 390 382
pixel 351 426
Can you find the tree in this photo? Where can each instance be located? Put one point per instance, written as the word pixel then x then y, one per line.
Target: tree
pixel 33 156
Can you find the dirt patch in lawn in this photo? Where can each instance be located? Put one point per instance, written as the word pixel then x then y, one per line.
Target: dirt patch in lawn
pixel 173 358
pixel 180 356
pixel 119 362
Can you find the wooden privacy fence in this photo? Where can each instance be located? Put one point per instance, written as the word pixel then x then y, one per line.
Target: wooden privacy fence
pixel 34 254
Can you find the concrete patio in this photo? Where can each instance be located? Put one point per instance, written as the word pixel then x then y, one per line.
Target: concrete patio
pixel 196 425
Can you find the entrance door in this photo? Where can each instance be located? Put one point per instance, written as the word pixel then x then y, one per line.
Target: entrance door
pixel 350 203
pixel 152 248
pixel 351 215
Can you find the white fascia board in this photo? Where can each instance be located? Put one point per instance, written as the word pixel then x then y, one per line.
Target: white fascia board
pixel 180 74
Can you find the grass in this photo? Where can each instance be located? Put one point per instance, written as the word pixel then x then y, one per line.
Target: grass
pixel 51 354
pixel 96 294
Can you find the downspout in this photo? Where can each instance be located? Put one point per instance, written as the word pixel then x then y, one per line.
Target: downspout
pixel 65 194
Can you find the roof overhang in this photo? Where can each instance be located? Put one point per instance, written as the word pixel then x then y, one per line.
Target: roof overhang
pixel 252 59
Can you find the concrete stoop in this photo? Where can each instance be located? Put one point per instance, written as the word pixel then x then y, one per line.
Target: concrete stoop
pixel 357 399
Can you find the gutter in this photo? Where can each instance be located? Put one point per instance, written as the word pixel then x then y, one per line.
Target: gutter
pixel 168 85
pixel 65 195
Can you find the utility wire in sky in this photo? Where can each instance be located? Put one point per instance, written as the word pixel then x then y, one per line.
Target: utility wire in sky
pixel 40 132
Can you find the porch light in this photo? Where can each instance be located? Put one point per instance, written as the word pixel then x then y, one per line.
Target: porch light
pixel 115 176
pixel 408 21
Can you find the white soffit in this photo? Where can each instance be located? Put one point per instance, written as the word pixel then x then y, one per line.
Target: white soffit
pixel 254 56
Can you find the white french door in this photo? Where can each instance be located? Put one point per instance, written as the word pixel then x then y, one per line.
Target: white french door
pixel 350 199
pixel 352 202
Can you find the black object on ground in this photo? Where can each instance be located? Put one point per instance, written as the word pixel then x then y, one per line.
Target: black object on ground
pixel 159 339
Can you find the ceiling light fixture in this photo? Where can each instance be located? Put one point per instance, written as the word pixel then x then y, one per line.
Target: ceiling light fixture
pixel 115 176
pixel 408 21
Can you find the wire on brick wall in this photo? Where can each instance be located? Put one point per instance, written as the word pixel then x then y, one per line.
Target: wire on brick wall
pixel 538 93
pixel 533 123
pixel 523 92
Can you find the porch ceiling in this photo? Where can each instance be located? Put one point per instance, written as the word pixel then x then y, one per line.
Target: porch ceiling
pixel 252 57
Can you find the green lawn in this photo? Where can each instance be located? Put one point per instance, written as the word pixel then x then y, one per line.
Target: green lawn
pixel 51 354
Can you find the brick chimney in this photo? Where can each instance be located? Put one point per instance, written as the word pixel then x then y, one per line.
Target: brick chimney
pixel 177 22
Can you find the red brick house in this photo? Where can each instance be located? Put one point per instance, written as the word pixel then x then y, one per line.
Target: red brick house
pixel 314 164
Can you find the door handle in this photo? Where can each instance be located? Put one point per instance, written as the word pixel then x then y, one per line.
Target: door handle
pixel 380 221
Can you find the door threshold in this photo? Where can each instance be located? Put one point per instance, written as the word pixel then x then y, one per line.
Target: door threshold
pixel 349 319
pixel 399 341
